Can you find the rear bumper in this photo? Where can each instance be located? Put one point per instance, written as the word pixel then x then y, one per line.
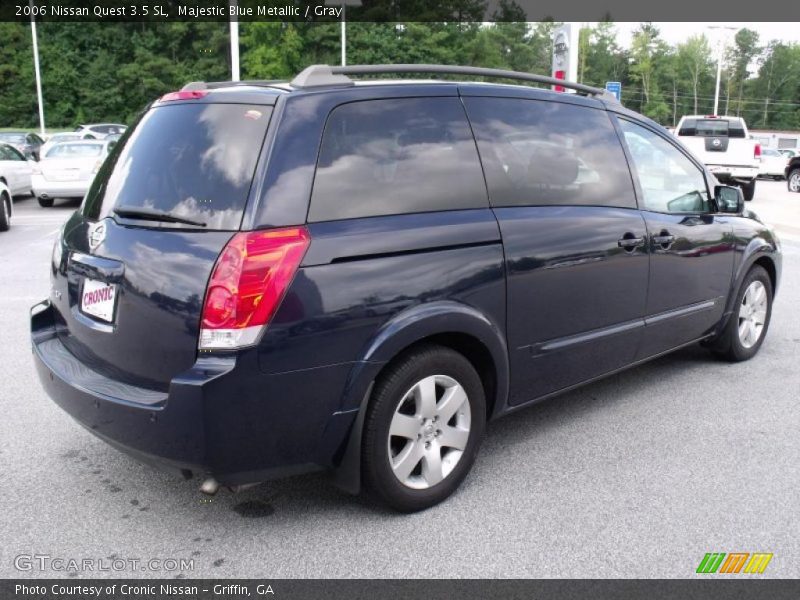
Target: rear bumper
pixel 59 189
pixel 222 418
pixel 738 174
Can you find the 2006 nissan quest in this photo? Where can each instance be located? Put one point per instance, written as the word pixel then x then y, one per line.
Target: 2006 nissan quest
pixel 268 278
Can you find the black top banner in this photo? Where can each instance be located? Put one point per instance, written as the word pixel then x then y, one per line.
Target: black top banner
pixel 398 10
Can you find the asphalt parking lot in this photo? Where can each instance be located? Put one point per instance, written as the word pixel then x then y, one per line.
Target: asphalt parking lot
pixel 639 475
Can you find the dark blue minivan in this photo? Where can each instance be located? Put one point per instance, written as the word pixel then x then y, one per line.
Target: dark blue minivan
pixel 267 278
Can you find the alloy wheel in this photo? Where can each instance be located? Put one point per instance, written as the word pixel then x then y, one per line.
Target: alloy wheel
pixel 429 431
pixel 752 314
pixel 794 181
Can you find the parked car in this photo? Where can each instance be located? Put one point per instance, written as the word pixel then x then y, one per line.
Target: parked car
pixel 270 278
pixel 101 130
pixel 15 170
pixel 67 170
pixel 773 164
pixel 67 136
pixel 792 174
pixel 788 153
pixel 725 146
pixel 27 143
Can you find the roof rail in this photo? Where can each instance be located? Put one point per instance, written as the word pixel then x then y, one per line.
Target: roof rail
pixel 211 85
pixel 326 75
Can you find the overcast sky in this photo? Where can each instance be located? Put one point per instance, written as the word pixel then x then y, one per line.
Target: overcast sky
pixel 678 32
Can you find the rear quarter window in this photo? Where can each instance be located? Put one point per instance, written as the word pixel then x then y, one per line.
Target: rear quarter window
pixel 396 156
pixel 193 160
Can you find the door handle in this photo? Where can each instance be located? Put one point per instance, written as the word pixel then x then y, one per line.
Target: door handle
pixel 663 239
pixel 630 242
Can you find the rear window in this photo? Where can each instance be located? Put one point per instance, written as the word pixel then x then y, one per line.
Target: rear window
pixel 398 156
pixel 67 150
pixel 191 160
pixel 733 128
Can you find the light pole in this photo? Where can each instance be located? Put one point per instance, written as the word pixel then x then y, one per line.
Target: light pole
pixel 38 75
pixel 720 43
pixel 234 29
pixel 343 33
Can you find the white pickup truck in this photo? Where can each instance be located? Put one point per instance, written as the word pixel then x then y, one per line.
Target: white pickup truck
pixel 724 145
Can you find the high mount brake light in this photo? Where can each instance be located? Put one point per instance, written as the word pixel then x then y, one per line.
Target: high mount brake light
pixel 247 285
pixel 183 95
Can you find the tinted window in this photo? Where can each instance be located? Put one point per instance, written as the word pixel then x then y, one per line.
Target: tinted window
pixel 13 154
pixel 385 157
pixel 544 153
pixel 192 160
pixel 670 181
pixel 712 128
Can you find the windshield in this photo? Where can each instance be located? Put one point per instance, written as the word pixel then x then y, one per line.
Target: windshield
pixel 75 151
pixel 12 138
pixel 194 161
pixel 64 137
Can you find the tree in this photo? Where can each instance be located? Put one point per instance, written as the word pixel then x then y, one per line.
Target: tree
pixel 694 61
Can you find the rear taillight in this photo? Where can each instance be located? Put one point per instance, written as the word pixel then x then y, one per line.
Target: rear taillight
pixel 757 151
pixel 247 285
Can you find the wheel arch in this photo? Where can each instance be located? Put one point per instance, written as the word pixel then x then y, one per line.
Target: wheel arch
pixel 451 324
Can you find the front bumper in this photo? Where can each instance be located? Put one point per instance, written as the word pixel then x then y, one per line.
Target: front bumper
pixel 44 188
pixel 221 418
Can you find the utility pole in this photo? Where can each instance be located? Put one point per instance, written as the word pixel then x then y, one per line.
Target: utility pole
pixel 234 28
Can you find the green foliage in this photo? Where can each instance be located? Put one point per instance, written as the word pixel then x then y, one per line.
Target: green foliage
pixel 110 71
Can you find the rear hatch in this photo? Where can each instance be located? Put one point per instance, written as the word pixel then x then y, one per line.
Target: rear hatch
pixel 135 260
pixel 718 141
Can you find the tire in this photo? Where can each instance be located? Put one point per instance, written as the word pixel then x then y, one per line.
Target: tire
pixel 397 405
pixel 749 190
pixel 5 212
pixel 793 180
pixel 734 346
pixel 45 202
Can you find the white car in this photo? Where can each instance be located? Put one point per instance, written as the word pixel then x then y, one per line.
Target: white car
pixel 101 130
pixel 15 170
pixel 67 136
pixel 67 170
pixel 773 164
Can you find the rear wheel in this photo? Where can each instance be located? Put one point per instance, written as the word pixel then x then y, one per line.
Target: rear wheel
pixel 5 212
pixel 45 202
pixel 749 190
pixel 793 181
pixel 423 428
pixel 747 327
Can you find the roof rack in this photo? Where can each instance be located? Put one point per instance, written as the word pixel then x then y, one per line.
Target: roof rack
pixel 212 85
pixel 326 75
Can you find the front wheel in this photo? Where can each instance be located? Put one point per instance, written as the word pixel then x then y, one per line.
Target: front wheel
pixel 423 428
pixel 793 181
pixel 749 190
pixel 45 202
pixel 747 327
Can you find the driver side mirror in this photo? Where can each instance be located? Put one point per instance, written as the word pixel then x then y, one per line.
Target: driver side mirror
pixel 729 199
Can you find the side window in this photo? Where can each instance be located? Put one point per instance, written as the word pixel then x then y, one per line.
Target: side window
pixel 671 183
pixel 14 154
pixel 387 157
pixel 549 153
pixel 4 154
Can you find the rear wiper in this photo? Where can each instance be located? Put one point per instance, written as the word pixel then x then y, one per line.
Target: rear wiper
pixel 150 214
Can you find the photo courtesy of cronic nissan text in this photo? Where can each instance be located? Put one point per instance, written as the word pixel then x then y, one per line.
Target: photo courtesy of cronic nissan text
pixel 437 299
